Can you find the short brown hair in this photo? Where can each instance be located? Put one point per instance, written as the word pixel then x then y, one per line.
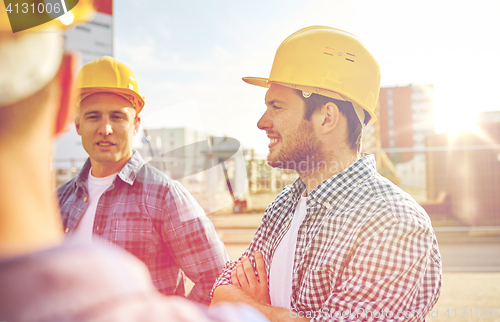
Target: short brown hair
pixel 355 130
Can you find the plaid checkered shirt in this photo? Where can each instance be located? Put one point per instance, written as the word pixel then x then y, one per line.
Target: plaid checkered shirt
pixel 366 251
pixel 156 219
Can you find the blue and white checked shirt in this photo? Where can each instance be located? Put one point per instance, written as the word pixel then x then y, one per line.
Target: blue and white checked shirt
pixel 366 251
pixel 156 219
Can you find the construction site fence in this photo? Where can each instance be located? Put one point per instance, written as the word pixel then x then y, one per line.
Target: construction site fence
pixel 463 181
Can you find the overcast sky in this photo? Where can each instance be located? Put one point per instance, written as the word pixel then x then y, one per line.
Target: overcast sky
pixel 189 56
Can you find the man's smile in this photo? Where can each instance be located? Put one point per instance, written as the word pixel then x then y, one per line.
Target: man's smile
pixel 274 141
pixel 105 143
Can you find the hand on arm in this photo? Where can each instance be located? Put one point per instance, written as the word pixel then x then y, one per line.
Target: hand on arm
pixel 255 286
pixel 253 290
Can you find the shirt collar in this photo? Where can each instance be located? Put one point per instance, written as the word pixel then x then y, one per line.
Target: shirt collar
pixel 298 188
pixel 333 189
pixel 128 173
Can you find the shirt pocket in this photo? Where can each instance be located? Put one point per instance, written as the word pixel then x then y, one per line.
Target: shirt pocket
pixel 133 233
pixel 315 288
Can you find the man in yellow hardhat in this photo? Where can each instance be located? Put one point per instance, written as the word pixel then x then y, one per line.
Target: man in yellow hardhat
pixel 44 277
pixel 128 202
pixel 342 242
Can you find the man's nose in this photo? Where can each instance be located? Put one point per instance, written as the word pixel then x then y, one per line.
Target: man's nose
pixel 105 127
pixel 265 121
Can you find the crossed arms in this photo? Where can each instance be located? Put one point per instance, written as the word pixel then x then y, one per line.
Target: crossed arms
pixel 251 288
pixel 395 270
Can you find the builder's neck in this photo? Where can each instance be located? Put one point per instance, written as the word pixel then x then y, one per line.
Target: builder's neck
pixel 29 214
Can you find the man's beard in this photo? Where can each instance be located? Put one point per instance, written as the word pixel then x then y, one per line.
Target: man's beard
pixel 301 151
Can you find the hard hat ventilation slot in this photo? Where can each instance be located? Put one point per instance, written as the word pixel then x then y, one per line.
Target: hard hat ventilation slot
pixel 328 53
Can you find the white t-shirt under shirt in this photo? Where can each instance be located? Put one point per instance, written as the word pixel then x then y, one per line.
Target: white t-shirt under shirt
pixel 96 187
pixel 280 279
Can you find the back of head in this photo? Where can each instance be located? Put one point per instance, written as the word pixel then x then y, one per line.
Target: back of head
pixel 30 58
pixel 35 81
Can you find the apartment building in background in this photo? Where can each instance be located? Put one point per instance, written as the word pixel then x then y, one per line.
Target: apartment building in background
pixel 406 116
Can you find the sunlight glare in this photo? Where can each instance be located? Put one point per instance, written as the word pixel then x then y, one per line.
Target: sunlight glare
pixel 453 113
pixel 67 18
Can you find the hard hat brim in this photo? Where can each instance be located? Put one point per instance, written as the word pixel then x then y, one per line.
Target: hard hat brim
pixel 259 81
pixel 85 92
pixel 265 82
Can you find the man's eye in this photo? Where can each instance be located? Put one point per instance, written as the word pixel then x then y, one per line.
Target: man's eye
pixel 116 117
pixel 276 107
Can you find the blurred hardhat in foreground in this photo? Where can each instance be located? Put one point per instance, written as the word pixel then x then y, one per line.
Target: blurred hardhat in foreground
pixel 30 58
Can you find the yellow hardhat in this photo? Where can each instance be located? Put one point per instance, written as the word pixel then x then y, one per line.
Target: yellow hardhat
pixel 106 74
pixel 31 57
pixel 328 62
pixel 29 18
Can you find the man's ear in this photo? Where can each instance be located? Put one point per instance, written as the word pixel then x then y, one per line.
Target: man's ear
pixel 329 117
pixel 77 124
pixel 137 124
pixel 65 76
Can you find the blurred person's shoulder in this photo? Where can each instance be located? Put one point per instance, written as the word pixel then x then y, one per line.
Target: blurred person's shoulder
pixel 84 282
pixel 70 280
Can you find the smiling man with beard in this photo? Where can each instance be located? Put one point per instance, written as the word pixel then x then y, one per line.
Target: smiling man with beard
pixel 341 239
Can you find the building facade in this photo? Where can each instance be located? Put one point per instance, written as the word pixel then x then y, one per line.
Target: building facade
pixel 406 116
